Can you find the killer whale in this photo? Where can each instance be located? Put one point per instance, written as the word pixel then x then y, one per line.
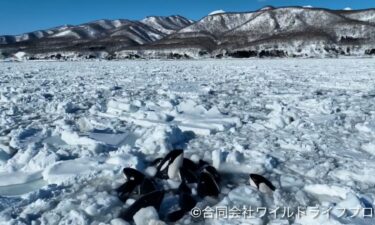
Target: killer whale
pixel 153 199
pixel 261 183
pixel 169 166
pixel 136 182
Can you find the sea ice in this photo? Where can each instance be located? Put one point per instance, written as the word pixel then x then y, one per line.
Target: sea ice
pixel 67 129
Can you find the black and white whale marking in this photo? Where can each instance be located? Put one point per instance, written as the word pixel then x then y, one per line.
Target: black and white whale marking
pixel 136 183
pixel 169 167
pixel 151 191
pixel 133 174
pixel 261 183
pixel 209 182
pixel 153 199
pixel 186 203
pixel 184 188
pixel 189 171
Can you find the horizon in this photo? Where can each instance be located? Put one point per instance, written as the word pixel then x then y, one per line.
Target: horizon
pixel 22 16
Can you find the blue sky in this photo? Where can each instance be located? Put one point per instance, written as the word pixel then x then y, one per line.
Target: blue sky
pixel 19 16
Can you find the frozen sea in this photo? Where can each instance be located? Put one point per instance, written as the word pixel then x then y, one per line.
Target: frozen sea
pixel 68 128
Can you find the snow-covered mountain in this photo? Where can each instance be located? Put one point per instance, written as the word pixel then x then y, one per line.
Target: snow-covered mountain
pixel 167 25
pixel 100 35
pixel 286 32
pixel 146 30
pixel 290 31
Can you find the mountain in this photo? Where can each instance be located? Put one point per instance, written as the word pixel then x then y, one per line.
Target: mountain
pixel 289 31
pixel 101 36
pixel 280 32
pixel 167 25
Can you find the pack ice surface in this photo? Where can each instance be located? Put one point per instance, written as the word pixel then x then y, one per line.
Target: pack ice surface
pixel 68 128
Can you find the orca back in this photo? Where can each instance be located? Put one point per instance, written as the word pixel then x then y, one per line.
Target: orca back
pixel 151 199
pixel 125 190
pixel 207 185
pixel 187 202
pixel 188 176
pixel 147 186
pixel 211 170
pixel 175 216
pixel 183 188
pixel 189 165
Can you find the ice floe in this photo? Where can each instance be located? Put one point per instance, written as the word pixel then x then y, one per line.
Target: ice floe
pixel 68 129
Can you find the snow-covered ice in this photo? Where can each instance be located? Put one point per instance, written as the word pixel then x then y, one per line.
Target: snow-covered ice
pixel 67 129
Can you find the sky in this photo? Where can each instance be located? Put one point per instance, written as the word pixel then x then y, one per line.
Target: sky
pixel 20 16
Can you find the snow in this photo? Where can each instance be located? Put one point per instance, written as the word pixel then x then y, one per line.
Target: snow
pixel 68 170
pixel 216 158
pixel 166 25
pixel 67 129
pixel 239 197
pixel 20 55
pixel 66 33
pixel 7 179
pixel 145 216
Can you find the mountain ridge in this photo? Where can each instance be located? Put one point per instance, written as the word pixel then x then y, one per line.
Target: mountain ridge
pixel 275 32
